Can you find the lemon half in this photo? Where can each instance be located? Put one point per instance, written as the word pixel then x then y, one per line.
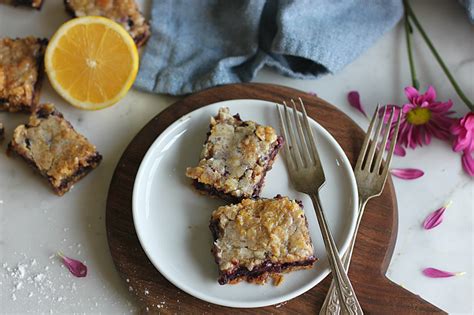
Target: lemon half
pixel 91 62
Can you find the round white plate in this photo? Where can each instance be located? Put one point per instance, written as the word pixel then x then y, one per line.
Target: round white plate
pixel 171 219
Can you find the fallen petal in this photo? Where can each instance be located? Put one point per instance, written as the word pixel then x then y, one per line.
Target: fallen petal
pixel 354 100
pixel 77 268
pixel 437 273
pixel 407 173
pixel 435 218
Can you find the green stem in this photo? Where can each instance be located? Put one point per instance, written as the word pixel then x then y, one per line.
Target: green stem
pixel 408 33
pixel 455 85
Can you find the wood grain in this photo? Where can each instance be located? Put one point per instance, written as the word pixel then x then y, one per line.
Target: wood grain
pixel 373 249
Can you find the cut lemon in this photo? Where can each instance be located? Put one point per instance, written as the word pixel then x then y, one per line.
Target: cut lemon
pixel 91 62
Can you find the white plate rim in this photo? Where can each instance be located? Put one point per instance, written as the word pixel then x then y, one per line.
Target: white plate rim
pixel 271 301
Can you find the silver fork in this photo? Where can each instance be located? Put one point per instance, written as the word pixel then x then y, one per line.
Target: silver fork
pixel 307 176
pixel 371 176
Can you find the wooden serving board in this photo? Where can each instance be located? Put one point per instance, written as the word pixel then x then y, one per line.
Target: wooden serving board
pixel 373 249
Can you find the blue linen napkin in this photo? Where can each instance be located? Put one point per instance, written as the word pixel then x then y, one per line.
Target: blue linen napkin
pixel 200 44
pixel 469 5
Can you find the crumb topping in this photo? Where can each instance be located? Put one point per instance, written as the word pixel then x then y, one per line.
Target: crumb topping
pixel 19 71
pixel 49 141
pixel 235 155
pixel 124 12
pixel 255 231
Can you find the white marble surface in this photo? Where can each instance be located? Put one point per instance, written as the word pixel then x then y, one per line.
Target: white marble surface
pixel 35 223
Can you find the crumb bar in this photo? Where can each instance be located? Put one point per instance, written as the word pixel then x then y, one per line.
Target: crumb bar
pixel 50 145
pixel 124 12
pixel 35 4
pixel 21 72
pixel 259 238
pixel 235 158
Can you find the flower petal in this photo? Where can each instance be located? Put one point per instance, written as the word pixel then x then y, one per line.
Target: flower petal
pixel 388 109
pixel 437 273
pixel 468 120
pixel 407 173
pixel 461 142
pixel 435 218
pixel 430 94
pixel 354 100
pixel 468 163
pixel 399 150
pixel 407 107
pixel 456 127
pixel 463 132
pixel 441 107
pixel 411 93
pixel 77 268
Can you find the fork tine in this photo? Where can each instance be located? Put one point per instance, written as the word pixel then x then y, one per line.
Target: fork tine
pixel 392 147
pixel 304 150
pixel 381 150
pixel 369 162
pixel 293 145
pixel 309 132
pixel 365 145
pixel 289 159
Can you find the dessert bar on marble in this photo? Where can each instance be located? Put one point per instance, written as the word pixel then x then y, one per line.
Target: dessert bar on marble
pixel 50 145
pixel 124 12
pixel 35 4
pixel 235 158
pixel 259 238
pixel 21 72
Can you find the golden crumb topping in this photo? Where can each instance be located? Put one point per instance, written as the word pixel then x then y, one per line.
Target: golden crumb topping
pixel 255 231
pixel 19 71
pixel 57 150
pixel 124 12
pixel 235 155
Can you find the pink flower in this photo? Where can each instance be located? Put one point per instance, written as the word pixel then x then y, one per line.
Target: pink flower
pixel 463 131
pixel 422 118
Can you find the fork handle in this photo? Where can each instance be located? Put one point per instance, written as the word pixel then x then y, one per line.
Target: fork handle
pixel 331 304
pixel 350 304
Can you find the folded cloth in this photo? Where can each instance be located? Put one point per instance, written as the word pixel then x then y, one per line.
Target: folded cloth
pixel 469 5
pixel 200 44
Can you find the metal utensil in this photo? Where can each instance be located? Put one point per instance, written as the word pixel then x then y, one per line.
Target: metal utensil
pixel 371 176
pixel 307 176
